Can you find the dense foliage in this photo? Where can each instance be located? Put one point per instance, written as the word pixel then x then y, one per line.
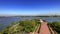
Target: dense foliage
pixel 55 26
pixel 28 25
pixel 21 27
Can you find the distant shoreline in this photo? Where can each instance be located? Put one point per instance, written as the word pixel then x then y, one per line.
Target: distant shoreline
pixel 34 16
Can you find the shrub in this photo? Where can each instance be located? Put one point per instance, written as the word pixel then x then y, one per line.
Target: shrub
pixel 28 25
pixel 55 26
pixel 23 26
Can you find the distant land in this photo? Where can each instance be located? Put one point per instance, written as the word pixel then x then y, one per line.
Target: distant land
pixel 30 15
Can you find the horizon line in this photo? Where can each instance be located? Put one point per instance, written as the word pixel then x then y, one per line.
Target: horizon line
pixel 28 15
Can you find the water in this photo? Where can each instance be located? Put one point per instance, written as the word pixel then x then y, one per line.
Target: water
pixel 5 21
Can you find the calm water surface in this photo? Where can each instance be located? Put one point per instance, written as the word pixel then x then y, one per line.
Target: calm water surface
pixel 5 21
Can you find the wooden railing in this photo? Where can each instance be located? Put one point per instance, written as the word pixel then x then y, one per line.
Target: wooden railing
pixel 51 30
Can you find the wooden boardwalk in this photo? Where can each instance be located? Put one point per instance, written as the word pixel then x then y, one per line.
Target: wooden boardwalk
pixel 44 29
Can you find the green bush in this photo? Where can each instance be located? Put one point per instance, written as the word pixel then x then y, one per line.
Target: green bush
pixel 28 25
pixel 55 26
pixel 6 30
pixel 22 26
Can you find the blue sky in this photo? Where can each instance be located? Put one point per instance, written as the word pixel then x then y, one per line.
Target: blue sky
pixel 29 7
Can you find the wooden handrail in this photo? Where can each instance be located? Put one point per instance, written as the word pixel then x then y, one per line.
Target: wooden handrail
pixel 51 30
